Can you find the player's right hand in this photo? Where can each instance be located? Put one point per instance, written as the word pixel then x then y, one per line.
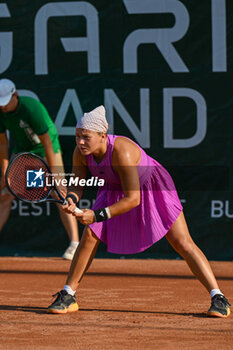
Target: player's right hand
pixel 69 207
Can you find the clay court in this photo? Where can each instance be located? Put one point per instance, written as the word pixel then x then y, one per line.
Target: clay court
pixel 124 304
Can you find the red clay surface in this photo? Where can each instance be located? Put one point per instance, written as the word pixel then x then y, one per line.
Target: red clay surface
pixel 124 304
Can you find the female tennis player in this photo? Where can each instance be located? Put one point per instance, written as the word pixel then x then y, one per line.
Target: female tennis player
pixel 137 206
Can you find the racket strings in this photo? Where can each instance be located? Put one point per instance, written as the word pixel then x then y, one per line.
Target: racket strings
pixel 21 173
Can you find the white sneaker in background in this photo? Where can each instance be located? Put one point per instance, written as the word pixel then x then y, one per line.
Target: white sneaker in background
pixel 69 253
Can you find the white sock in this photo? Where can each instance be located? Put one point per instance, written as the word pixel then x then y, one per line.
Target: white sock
pixel 69 290
pixel 213 292
pixel 74 244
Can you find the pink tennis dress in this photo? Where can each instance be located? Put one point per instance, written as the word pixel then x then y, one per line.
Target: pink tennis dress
pixel 141 227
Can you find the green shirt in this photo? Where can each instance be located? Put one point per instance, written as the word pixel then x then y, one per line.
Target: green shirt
pixel 25 124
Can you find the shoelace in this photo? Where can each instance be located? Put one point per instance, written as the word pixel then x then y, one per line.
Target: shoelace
pixel 221 300
pixel 58 294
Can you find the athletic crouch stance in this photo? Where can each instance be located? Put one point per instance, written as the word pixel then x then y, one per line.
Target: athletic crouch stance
pixel 136 207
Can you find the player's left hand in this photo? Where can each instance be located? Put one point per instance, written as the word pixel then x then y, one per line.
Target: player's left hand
pixel 87 217
pixel 63 190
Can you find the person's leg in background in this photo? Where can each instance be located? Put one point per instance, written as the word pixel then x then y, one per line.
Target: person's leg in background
pixel 6 200
pixel 69 221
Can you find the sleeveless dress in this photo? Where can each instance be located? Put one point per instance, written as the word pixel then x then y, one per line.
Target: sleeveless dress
pixel 142 226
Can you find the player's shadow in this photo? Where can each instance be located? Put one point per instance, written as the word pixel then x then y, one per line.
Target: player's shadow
pixel 194 314
pixel 43 310
pixel 37 310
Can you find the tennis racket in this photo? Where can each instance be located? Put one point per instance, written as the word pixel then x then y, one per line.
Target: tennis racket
pixel 29 179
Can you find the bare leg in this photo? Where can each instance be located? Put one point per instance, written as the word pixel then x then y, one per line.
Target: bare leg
pixel 178 236
pixel 82 258
pixel 6 200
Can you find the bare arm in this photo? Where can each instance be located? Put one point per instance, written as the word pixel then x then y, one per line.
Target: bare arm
pixel 126 156
pixel 125 164
pixel 49 153
pixel 51 160
pixel 79 170
pixel 3 157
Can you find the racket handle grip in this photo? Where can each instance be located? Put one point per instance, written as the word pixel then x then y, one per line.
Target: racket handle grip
pixel 77 210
